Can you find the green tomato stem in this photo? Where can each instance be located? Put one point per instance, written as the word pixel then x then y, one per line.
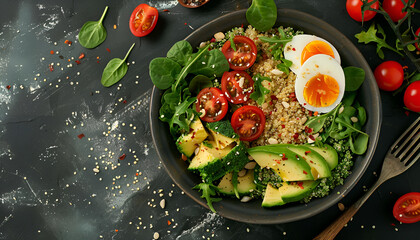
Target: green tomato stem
pixel 103 15
pixel 128 52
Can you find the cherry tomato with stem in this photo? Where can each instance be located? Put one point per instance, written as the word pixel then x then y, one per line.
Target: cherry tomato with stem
pixel 412 96
pixel 143 20
pixel 237 86
pixel 248 122
pixel 389 75
pixel 407 208
pixel 211 104
pixel 245 54
pixel 354 9
pixel 394 9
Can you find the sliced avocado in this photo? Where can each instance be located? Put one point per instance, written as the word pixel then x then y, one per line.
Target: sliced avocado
pixel 289 192
pixel 329 153
pixel 319 167
pixel 187 144
pixel 245 184
pixel 283 161
pixel 222 133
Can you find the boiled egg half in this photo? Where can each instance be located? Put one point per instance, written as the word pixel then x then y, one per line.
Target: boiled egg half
pixel 304 46
pixel 320 83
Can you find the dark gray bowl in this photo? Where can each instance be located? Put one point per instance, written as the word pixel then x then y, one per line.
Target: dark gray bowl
pixel 252 212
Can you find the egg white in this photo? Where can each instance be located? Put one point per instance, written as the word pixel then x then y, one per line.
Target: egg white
pixel 319 64
pixel 293 49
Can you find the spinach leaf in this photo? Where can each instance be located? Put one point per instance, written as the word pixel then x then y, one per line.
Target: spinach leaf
pixel 259 90
pixel 285 65
pixel 317 122
pixel 115 70
pixel 180 52
pixel 359 145
pixel 348 98
pixel 199 82
pixel 361 115
pixel 211 64
pixel 208 190
pixel 262 14
pixel 354 78
pixel 93 33
pixel 163 72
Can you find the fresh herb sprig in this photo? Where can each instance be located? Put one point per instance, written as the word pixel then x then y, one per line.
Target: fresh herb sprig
pixel 115 70
pixel 259 90
pixel 277 43
pixel 208 191
pixel 93 33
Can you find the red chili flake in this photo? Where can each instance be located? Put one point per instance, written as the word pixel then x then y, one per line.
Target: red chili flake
pixel 185 24
pixel 183 157
pixel 82 55
pixel 305 172
pixel 116 230
pixel 51 67
pixel 296 136
pixel 279 135
pixel 122 157
pixel 271 112
pixel 405 67
pixel 52 52
pixel 242 25
pixel 80 136
pixel 273 97
pixel 165 10
pixel 78 62
pixel 271 103
pixel 264 56
pixel 300 184
pixel 8 87
pixel 213 40
pixel 308 129
pixel 97 61
pixel 407 113
pixel 277 161
pixel 393 224
pixel 108 49
pixel 284 157
pixel 283 126
pixel 66 42
pixel 311 161
pixel 307 152
pixel 137 173
pixel 294 49
pixel 316 113
pixel 169 223
pixel 125 101
pixel 310 113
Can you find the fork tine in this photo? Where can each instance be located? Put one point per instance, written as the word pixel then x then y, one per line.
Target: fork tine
pixel 413 161
pixel 413 152
pixel 397 146
pixel 413 143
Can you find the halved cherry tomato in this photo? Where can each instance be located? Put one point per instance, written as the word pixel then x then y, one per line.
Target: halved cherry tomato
pixel 417 34
pixel 354 9
pixel 211 104
pixel 394 9
pixel 407 208
pixel 248 122
pixel 143 20
pixel 245 54
pixel 237 86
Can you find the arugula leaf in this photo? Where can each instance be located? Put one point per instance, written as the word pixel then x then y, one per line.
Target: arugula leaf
pixel 354 78
pixel 284 65
pixel 317 122
pixel 182 116
pixel 232 43
pixel 277 44
pixel 208 190
pixel 259 90
pixel 371 36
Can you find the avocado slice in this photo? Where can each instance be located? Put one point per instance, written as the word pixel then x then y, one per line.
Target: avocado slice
pixel 283 161
pixel 245 184
pixel 329 153
pixel 319 167
pixel 288 192
pixel 187 144
pixel 222 133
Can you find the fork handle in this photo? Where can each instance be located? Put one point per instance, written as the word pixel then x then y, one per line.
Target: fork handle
pixel 333 229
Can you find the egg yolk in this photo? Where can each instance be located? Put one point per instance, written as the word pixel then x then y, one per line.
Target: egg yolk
pixel 321 91
pixel 314 48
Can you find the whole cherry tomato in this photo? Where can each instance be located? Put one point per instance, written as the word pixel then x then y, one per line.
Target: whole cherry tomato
pixel 412 97
pixel 389 75
pixel 394 9
pixel 354 9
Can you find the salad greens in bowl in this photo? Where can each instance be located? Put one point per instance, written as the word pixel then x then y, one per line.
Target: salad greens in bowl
pixel 265 125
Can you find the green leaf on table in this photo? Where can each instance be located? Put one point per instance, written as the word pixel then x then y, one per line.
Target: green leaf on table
pixel 262 14
pixel 199 82
pixel 208 191
pixel 163 72
pixel 354 78
pixel 180 52
pixel 115 70
pixel 93 33
pixel 259 90
pixel 371 36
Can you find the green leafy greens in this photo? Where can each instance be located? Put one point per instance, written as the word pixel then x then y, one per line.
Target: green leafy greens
pixel 208 191
pixel 354 78
pixel 262 14
pixel 93 33
pixel 259 90
pixel 115 70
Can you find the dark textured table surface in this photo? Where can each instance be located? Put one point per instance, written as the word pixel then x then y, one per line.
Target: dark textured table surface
pixel 48 189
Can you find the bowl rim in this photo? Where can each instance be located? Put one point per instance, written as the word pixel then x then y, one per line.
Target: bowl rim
pixel 316 206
